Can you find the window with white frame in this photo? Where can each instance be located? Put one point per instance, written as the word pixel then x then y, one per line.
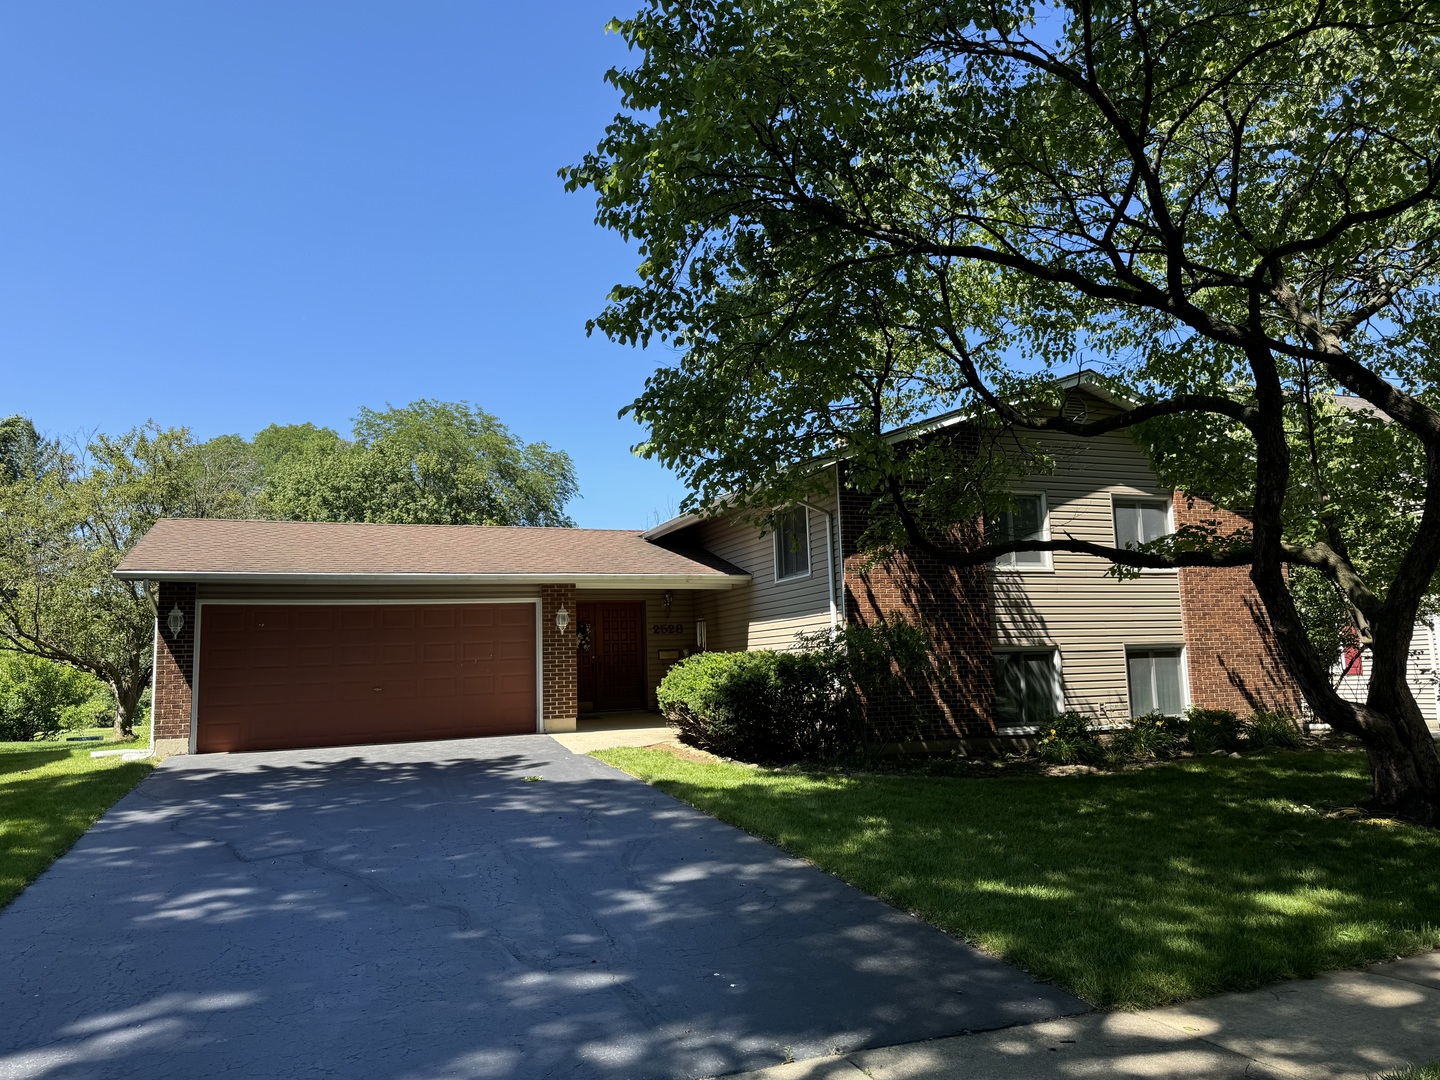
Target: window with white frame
pixel 1139 521
pixel 1027 688
pixel 1025 520
pixel 1156 681
pixel 792 543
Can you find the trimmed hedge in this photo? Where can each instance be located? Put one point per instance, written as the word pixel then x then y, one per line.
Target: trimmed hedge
pixel 771 708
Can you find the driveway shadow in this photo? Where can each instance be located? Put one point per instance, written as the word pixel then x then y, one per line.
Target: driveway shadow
pixel 488 908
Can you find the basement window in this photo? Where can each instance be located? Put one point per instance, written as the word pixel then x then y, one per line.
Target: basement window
pixel 1027 688
pixel 1156 682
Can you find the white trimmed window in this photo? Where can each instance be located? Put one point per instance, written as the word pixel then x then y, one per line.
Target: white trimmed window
pixel 1139 521
pixel 792 544
pixel 1157 682
pixel 1027 688
pixel 1025 520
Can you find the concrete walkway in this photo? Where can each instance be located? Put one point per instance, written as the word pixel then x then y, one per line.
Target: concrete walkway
pixel 1348 1025
pixel 615 729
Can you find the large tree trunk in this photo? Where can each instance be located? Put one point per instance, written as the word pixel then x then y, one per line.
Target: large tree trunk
pixel 127 706
pixel 1404 763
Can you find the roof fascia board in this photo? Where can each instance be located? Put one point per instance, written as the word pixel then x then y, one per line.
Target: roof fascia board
pixel 580 581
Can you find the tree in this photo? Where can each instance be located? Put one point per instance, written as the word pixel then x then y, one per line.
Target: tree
pixel 852 213
pixel 431 462
pixel 65 528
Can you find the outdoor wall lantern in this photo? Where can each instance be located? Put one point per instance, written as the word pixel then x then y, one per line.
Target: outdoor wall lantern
pixel 562 619
pixel 667 600
pixel 175 621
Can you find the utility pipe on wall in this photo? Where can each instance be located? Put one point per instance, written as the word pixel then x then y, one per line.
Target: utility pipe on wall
pixel 829 561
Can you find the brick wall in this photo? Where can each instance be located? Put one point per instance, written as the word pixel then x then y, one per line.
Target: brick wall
pixel 174 670
pixel 1229 648
pixel 561 698
pixel 954 604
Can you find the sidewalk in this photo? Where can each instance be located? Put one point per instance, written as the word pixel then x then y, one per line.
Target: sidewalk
pixel 1347 1025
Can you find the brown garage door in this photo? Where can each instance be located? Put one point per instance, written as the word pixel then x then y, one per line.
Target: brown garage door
pixel 273 677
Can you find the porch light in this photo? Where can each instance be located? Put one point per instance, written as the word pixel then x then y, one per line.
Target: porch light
pixel 562 619
pixel 667 600
pixel 175 621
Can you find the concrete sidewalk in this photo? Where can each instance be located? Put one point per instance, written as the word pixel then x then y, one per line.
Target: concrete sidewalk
pixel 1347 1025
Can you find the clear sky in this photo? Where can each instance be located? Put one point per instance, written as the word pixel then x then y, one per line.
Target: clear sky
pixel 231 213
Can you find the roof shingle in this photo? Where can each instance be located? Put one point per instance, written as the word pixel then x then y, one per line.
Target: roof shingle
pixel 199 549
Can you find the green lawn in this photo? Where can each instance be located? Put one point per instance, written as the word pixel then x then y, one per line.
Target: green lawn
pixel 1131 890
pixel 50 793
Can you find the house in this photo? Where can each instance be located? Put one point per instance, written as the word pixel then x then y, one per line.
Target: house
pixel 296 634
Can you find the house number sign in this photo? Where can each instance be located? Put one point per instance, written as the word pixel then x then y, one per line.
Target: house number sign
pixel 664 628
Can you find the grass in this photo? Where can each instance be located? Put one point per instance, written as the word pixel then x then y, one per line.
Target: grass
pixel 1131 890
pixel 1423 1072
pixel 50 793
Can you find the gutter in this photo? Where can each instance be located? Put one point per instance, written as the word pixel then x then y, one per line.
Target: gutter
pixel 583 581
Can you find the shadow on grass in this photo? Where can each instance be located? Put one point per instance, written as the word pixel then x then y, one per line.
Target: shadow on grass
pixel 1130 890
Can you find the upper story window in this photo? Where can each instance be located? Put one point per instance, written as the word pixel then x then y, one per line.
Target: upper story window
pixel 792 543
pixel 1025 521
pixel 1139 521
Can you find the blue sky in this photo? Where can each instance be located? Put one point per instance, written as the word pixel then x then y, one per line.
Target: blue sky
pixel 236 212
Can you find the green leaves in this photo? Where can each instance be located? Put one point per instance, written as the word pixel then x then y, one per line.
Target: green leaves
pixel 431 462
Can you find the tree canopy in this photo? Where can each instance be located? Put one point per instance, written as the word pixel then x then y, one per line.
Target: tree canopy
pixel 64 529
pixel 852 214
pixel 430 462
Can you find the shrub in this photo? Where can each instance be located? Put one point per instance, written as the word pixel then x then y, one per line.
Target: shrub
pixel 1273 729
pixel 888 672
pixel 1067 739
pixel 770 708
pixel 1213 729
pixel 39 698
pixel 1153 735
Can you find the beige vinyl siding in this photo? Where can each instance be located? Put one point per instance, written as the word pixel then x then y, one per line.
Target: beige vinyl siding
pixel 682 613
pixel 1074 605
pixel 767 614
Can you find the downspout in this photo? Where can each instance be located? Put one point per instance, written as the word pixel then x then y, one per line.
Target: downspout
pixel 154 658
pixel 829 561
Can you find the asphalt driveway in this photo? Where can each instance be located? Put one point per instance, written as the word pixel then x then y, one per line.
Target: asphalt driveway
pixel 428 912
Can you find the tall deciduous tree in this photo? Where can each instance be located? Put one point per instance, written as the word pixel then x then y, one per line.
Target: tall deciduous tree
pixel 854 212
pixel 430 462
pixel 66 525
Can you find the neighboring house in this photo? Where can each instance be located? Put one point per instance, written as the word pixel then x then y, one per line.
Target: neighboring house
pixel 1351 673
pixel 291 634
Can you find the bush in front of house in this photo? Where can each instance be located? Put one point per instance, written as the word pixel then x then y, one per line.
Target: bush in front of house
pixel 1154 735
pixel 769 708
pixel 1069 739
pixel 1273 729
pixel 1209 730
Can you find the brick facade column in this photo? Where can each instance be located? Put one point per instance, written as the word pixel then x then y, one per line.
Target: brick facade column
pixel 560 692
pixel 171 700
pixel 954 605
pixel 1230 650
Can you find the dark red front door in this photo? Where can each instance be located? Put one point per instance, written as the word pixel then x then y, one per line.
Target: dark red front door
pixel 611 663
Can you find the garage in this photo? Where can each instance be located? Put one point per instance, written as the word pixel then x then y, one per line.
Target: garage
pixel 279 635
pixel 277 676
